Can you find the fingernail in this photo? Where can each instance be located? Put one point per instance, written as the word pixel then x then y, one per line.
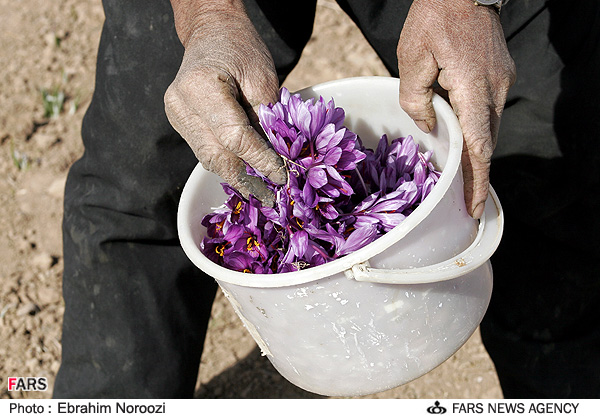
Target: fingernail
pixel 264 195
pixel 279 176
pixel 268 199
pixel 478 211
pixel 423 126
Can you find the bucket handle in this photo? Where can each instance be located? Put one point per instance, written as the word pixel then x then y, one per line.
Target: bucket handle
pixel 481 249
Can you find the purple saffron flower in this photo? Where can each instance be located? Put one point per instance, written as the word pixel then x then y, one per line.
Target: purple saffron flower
pixel 214 249
pixel 240 261
pixel 346 239
pixel 298 245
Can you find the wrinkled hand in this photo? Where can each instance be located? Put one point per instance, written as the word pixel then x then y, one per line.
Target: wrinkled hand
pixel 462 46
pixel 226 73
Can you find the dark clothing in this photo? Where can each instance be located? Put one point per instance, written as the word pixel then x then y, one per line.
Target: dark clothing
pixel 137 310
pixel 541 329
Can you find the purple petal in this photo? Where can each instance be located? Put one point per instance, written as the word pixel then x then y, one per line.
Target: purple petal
pixel 284 96
pixel 348 160
pixel 303 119
pixel 358 239
pixel 238 261
pixel 317 177
pixel 337 115
pixel 427 187
pixel 420 173
pixel 389 221
pixel 328 211
pixel 329 137
pixel 318 113
pixel 330 190
pixel 309 195
pixel 299 243
pixel 389 205
pixel 367 202
pixel 332 156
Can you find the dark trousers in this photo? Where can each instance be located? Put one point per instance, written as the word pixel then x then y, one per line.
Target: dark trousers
pixel 137 310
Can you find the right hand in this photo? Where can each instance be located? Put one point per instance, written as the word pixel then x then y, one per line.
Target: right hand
pixel 462 46
pixel 226 73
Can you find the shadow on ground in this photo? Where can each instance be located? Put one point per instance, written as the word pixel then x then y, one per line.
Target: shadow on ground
pixel 258 378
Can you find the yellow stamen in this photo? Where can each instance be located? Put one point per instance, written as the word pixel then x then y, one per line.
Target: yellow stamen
pixel 251 243
pixel 238 208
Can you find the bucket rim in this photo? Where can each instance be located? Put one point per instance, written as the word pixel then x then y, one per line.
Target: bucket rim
pixel 345 263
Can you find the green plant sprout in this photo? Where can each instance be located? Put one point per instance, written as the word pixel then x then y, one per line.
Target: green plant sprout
pixel 20 159
pixel 53 102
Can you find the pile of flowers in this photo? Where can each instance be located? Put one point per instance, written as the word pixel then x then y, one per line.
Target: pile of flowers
pixel 339 197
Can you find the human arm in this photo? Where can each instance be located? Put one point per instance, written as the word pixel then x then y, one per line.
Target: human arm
pixel 462 46
pixel 226 73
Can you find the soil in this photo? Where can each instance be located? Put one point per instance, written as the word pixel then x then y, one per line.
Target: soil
pixel 49 47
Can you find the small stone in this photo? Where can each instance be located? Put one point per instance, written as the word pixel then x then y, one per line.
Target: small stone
pixel 33 365
pixel 57 188
pixel 47 295
pixel 28 309
pixel 50 39
pixel 44 140
pixel 43 261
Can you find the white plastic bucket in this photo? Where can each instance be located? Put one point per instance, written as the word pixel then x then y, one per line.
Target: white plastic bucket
pixel 389 312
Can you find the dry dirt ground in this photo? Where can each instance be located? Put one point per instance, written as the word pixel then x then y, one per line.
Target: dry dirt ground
pixel 47 49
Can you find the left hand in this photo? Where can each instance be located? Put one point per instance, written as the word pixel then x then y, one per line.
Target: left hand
pixel 462 46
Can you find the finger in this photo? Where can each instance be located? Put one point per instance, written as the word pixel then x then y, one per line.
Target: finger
pixel 213 156
pixel 250 185
pixel 267 93
pixel 476 181
pixel 219 160
pixel 417 71
pixel 479 122
pixel 231 125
